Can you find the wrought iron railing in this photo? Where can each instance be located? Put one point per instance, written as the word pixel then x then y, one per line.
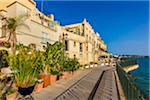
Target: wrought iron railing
pixel 131 91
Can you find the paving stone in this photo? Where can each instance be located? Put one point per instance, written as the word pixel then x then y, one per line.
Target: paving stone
pixel 80 86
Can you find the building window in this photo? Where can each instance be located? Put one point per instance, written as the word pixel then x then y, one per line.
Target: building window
pixel 99 46
pixel 66 45
pixel 81 49
pixel 32 46
pixel 83 30
pixel 42 21
pixel 51 24
pixel 86 36
pixel 74 43
pixel 78 31
pixel 86 48
pixel 4 31
pixel 45 37
pixel 81 55
pixel 74 56
pixel 67 54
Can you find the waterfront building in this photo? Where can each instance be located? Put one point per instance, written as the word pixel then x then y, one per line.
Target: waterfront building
pixel 80 39
pixel 83 43
pixel 40 28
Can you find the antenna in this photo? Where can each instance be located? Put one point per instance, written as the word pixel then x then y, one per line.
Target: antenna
pixel 42 6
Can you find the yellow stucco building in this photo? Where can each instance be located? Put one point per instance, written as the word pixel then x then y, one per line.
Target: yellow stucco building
pixel 82 42
pixel 40 28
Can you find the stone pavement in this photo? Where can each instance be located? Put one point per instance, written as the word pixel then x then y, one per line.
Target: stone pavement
pixel 107 89
pixel 97 83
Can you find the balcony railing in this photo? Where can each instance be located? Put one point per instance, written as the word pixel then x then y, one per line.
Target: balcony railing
pixel 131 91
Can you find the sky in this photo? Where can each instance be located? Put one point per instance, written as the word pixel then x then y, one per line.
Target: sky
pixel 123 25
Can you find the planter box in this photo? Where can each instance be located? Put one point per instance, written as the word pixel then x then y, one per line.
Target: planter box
pixel 11 96
pixel 52 79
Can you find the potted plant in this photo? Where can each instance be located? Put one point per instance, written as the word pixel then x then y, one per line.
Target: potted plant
pixel 3 59
pixel 54 74
pixel 91 64
pixel 24 66
pixel 11 94
pixel 52 55
pixel 95 64
pixel 39 85
pixel 69 66
pixel 75 65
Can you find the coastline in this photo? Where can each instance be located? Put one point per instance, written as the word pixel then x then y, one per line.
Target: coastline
pixel 130 68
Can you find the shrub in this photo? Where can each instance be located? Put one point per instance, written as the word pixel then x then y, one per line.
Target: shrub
pixel 25 67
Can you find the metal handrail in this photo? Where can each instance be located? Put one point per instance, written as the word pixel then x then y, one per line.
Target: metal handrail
pixel 131 91
pixel 125 63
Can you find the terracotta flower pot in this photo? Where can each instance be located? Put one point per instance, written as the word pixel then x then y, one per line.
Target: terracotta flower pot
pixel 65 75
pixel 52 79
pixel 70 73
pixel 11 96
pixel 46 79
pixel 39 86
pixel 75 72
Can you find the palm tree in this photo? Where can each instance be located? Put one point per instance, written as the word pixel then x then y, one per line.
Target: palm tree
pixel 11 26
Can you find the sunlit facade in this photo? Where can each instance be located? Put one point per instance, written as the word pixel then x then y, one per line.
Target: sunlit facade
pixel 39 28
pixel 83 43
pixel 80 39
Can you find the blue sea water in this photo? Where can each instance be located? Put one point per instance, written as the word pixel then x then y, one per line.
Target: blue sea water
pixel 142 74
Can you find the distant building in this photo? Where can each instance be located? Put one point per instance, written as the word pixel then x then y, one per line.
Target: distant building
pixel 83 43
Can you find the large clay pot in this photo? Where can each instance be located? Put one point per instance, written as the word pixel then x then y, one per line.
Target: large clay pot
pixel 39 86
pixel 11 96
pixel 65 75
pixel 52 79
pixel 70 74
pixel 26 90
pixel 46 79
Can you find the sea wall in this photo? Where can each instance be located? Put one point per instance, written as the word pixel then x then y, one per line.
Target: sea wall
pixel 130 68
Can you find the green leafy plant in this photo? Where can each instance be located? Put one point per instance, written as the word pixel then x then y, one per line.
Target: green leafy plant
pixel 25 66
pixel 21 46
pixel 11 91
pixel 70 64
pixel 3 59
pixel 53 54
pixel 55 72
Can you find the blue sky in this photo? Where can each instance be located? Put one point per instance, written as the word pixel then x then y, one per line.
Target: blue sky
pixel 124 26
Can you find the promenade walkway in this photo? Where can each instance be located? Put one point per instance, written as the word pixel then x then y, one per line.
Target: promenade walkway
pixel 97 83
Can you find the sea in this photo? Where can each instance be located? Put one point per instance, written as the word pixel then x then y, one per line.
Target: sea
pixel 142 75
